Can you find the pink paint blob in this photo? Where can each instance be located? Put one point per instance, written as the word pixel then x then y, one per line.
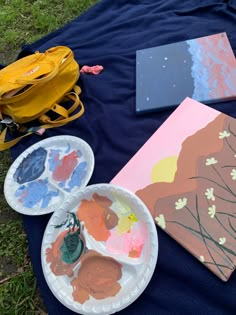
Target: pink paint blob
pixel 130 244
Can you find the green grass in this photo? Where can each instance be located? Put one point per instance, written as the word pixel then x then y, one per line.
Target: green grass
pixel 17 296
pixel 23 22
pixel 15 248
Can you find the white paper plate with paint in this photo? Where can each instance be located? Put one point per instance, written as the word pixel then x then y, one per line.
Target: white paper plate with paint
pixel 42 177
pixel 99 250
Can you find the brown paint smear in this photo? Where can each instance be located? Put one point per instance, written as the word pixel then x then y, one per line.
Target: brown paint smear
pixel 110 218
pixel 97 276
pixel 53 256
pixel 97 216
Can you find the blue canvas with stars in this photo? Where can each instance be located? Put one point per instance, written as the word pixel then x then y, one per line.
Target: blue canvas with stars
pixel 202 68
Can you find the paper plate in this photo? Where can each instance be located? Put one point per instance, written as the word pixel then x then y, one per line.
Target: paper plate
pixel 42 177
pixel 99 250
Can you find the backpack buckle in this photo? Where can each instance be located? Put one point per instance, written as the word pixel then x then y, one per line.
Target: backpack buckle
pixel 10 123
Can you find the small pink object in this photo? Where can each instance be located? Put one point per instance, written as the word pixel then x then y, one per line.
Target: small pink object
pixel 92 70
pixel 40 132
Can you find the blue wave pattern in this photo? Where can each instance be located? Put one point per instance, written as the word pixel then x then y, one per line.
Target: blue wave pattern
pixel 199 72
pixel 213 68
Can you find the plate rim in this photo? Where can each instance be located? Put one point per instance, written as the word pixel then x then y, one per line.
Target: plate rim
pixel 24 154
pixel 154 254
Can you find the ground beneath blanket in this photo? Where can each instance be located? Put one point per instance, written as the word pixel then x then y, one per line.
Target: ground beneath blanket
pixel 23 22
pixel 18 285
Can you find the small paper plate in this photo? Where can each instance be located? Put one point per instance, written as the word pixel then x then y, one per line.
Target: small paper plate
pixel 99 250
pixel 42 177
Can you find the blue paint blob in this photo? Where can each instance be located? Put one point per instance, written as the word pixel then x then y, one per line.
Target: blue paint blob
pixel 33 193
pixel 54 159
pixel 68 148
pixel 32 167
pixel 77 176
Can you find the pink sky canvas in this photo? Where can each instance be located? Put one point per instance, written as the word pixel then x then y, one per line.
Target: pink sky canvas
pixel 186 175
pixel 165 142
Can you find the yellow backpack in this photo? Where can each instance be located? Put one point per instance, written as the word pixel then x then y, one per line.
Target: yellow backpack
pixel 33 87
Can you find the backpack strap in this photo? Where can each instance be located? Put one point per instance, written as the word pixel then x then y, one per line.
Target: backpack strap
pixel 50 75
pixel 47 122
pixel 64 117
pixel 7 145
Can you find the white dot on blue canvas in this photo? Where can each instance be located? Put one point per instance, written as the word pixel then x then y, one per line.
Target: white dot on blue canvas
pixel 185 61
pixel 150 57
pixel 174 85
pixel 163 66
pixel 147 98
pixel 165 58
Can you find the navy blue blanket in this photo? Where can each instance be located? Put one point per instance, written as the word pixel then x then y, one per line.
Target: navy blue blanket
pixel 109 34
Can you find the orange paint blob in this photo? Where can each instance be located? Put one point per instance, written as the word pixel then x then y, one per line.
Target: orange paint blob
pixel 92 214
pixel 134 254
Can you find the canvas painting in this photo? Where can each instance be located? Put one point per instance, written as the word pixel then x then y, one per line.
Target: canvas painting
pixel 202 68
pixel 186 175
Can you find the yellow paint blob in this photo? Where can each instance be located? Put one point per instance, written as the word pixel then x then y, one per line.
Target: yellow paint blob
pixel 164 170
pixel 133 217
pixel 124 225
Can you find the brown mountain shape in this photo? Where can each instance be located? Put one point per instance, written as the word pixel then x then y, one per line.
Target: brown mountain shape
pixel 192 226
pixel 201 143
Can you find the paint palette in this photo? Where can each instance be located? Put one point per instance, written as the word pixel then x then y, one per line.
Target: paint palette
pixel 46 173
pixel 99 250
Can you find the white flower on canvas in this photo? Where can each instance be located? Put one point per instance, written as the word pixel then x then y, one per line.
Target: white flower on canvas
pixel 210 194
pixel 233 174
pixel 211 161
pixel 161 221
pixel 181 203
pixel 222 240
pixel 224 134
pixel 212 211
